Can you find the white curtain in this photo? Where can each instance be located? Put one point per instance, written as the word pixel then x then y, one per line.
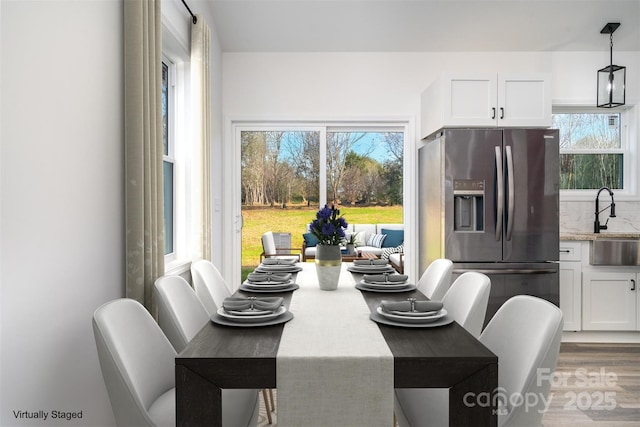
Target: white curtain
pixel 144 216
pixel 200 36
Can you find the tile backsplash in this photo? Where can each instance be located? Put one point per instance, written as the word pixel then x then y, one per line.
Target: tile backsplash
pixel 578 217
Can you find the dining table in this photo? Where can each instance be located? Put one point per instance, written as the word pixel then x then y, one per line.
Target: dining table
pixel 240 357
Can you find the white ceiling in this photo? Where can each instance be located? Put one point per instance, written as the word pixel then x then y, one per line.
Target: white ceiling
pixel 422 25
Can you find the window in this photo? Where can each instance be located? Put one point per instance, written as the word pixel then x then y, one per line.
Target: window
pixel 177 153
pixel 168 160
pixel 595 150
pixel 288 171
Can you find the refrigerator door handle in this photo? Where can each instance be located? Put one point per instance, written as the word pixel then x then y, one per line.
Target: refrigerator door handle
pixel 506 270
pixel 511 195
pixel 500 197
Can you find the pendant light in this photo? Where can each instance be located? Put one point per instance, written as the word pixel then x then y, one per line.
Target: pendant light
pixel 612 78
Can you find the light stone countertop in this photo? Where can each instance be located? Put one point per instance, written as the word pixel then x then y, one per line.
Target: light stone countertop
pixel 602 235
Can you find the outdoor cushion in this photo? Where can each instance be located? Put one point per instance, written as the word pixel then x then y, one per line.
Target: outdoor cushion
pixel 310 240
pixel 394 238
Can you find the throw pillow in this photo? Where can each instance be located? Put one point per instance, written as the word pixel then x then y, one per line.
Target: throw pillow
pixel 376 240
pixel 310 240
pixel 360 238
pixel 394 238
pixel 388 251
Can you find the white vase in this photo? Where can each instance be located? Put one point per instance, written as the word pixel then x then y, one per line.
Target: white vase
pixel 351 249
pixel 328 266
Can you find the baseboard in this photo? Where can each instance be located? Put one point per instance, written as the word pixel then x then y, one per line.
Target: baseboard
pixel 602 336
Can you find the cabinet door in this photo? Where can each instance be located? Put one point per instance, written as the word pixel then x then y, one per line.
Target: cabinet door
pixel 571 294
pixel 524 100
pixel 609 301
pixel 470 100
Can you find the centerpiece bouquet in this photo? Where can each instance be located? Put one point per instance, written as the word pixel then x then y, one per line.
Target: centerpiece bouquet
pixel 329 226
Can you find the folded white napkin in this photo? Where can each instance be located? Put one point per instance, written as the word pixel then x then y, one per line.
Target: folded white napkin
pixel 269 277
pixel 392 278
pixel 278 261
pixel 252 303
pixel 370 262
pixel 418 306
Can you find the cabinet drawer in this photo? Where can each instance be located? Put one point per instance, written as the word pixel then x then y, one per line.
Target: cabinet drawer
pixel 570 251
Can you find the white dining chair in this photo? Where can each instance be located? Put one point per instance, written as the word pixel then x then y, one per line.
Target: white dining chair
pixel 467 299
pixel 436 279
pixel 181 315
pixel 525 334
pixel 138 363
pixel 209 285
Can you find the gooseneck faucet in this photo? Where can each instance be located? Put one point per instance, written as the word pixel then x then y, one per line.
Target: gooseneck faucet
pixel 596 225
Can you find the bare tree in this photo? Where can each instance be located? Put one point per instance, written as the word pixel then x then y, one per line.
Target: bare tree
pixel 302 150
pixel 339 144
pixel 395 144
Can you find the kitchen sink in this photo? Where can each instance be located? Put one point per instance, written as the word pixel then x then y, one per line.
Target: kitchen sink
pixel 615 251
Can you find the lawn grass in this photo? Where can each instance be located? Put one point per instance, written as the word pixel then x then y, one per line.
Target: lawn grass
pixel 294 220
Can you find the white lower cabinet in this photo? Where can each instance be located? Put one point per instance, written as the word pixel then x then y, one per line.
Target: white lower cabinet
pixel 610 299
pixel 571 295
pixel 571 285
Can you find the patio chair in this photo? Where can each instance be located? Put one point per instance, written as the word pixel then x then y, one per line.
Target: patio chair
pixel 270 250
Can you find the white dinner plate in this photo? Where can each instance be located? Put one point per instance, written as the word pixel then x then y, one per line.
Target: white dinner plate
pixel 384 285
pixel 279 268
pixel 228 322
pixel 407 287
pixel 248 312
pixel 386 321
pixel 371 269
pixel 411 318
pixel 414 313
pixel 262 289
pixel 382 282
pixel 250 318
pixel 267 285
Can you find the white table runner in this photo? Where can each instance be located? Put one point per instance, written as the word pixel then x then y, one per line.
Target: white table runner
pixel 334 367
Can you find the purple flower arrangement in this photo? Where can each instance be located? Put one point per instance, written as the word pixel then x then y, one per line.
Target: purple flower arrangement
pixel 329 226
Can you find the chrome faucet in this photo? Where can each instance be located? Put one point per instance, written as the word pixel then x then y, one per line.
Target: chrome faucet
pixel 596 225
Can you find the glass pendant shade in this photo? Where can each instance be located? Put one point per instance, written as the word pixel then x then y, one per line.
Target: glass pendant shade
pixel 611 86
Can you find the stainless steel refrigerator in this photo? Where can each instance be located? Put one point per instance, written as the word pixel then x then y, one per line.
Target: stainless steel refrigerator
pixel 489 202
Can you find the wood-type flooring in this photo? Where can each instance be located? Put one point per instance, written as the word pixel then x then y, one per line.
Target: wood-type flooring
pixel 595 385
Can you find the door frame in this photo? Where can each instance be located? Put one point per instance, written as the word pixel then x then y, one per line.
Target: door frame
pixel 232 206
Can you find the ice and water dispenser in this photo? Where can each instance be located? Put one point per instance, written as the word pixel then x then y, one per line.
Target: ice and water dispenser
pixel 468 204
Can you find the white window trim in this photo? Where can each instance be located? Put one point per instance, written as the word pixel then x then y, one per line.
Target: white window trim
pixel 629 140
pixel 178 54
pixel 232 168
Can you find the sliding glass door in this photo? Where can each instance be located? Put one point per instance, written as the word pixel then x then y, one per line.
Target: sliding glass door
pixel 287 172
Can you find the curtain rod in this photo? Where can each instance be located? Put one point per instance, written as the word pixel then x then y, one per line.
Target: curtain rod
pixel 195 20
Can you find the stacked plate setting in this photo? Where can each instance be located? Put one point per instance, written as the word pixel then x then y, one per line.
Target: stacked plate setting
pixel 252 311
pixel 372 266
pixel 411 313
pixel 412 316
pixel 272 275
pixel 385 282
pixel 278 265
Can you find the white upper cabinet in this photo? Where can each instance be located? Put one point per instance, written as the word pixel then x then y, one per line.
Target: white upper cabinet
pixel 486 100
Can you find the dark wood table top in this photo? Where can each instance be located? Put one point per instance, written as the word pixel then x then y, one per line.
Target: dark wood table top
pixel 239 357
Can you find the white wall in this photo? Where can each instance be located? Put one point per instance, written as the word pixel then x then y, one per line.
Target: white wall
pixel 62 202
pixel 329 85
pixel 62 198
